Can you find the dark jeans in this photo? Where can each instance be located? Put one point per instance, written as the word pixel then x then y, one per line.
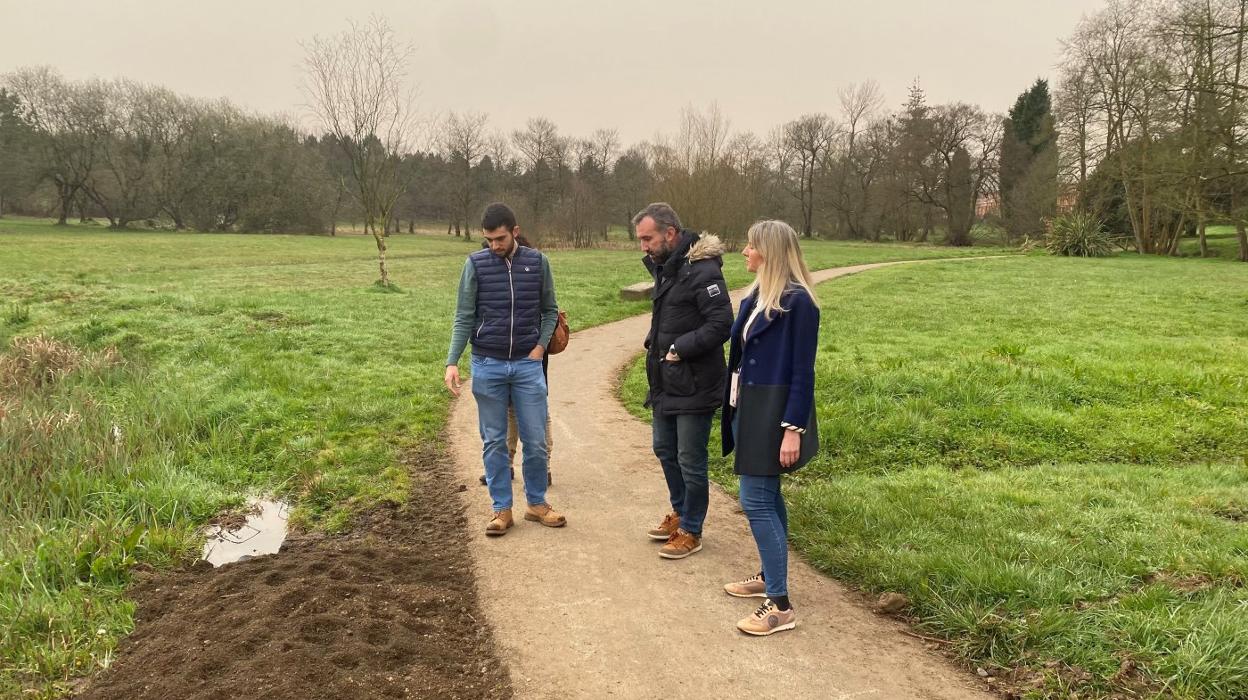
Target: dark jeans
pixel 680 445
pixel 763 503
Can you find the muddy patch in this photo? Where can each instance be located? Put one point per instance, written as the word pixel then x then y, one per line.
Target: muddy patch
pixel 388 611
pixel 258 530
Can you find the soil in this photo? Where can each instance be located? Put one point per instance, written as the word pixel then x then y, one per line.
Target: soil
pixel 389 610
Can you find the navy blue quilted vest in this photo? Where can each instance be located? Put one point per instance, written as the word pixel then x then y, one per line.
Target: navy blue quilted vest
pixel 509 303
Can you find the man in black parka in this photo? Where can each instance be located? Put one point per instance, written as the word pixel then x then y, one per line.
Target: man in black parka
pixel 689 324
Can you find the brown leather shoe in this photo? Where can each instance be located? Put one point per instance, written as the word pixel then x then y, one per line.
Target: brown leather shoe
pixel 665 529
pixel 680 545
pixel 545 515
pixel 500 523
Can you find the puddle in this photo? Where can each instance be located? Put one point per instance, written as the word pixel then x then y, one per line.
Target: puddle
pixel 263 533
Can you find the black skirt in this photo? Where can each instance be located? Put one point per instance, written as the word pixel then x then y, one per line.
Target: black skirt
pixel 757 415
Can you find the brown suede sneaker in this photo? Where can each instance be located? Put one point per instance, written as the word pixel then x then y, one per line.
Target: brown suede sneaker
pixel 665 530
pixel 752 587
pixel 768 619
pixel 680 545
pixel 545 515
pixel 500 523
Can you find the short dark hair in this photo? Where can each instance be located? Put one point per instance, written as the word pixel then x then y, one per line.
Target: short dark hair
pixel 498 214
pixel 663 215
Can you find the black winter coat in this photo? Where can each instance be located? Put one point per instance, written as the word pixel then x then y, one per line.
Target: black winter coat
pixel 691 310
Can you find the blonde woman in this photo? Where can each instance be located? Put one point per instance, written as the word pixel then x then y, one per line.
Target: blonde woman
pixel 769 411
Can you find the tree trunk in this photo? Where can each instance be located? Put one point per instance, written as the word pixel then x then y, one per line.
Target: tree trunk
pixel 411 225
pixel 1204 243
pixel 1242 234
pixel 67 202
pixel 381 254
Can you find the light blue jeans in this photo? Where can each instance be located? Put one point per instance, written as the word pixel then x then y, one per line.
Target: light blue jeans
pixel 763 503
pixel 521 384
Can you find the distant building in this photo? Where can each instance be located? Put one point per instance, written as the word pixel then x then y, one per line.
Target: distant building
pixel 988 203
pixel 1067 199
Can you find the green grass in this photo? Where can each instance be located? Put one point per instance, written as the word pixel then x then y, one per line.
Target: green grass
pixel 243 363
pixel 1085 565
pixel 1221 240
pixel 1046 456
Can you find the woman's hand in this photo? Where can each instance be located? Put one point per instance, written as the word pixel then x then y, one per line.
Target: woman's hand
pixel 790 448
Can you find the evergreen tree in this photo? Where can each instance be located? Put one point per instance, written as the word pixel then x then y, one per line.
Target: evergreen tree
pixel 1028 171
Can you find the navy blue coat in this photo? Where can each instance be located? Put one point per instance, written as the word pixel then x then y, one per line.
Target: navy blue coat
pixel 777 384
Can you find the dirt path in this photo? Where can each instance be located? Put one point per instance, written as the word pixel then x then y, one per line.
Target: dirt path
pixel 592 611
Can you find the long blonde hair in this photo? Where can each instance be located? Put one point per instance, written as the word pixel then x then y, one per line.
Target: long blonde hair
pixel 783 265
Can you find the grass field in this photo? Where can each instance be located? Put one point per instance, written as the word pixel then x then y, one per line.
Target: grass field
pixel 1222 244
pixel 187 371
pixel 1047 457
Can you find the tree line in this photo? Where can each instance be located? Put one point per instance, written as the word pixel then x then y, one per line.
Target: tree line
pixel 131 154
pixel 1145 131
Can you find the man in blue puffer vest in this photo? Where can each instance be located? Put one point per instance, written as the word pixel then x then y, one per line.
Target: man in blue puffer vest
pixel 507 310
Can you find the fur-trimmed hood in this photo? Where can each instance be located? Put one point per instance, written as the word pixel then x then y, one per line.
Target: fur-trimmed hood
pixel 693 247
pixel 706 247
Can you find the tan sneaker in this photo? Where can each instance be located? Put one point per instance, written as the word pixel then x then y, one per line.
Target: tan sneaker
pixel 680 545
pixel 500 523
pixel 768 619
pixel 752 587
pixel 667 528
pixel 545 515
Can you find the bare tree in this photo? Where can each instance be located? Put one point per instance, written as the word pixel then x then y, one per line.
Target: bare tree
pixel 959 163
pixel 464 142
pixel 1077 124
pixel 803 146
pixel 604 147
pixel 357 85
pixel 124 186
pixel 855 160
pixel 67 117
pixel 1128 77
pixel 543 155
pixel 709 174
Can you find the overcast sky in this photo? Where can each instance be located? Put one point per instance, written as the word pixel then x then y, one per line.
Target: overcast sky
pixel 629 65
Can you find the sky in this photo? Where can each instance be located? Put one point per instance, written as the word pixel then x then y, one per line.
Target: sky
pixel 629 65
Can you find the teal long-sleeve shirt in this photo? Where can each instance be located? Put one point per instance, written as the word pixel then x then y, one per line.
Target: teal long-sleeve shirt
pixel 466 310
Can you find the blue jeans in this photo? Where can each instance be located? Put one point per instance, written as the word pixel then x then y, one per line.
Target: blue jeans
pixel 519 383
pixel 680 445
pixel 763 503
